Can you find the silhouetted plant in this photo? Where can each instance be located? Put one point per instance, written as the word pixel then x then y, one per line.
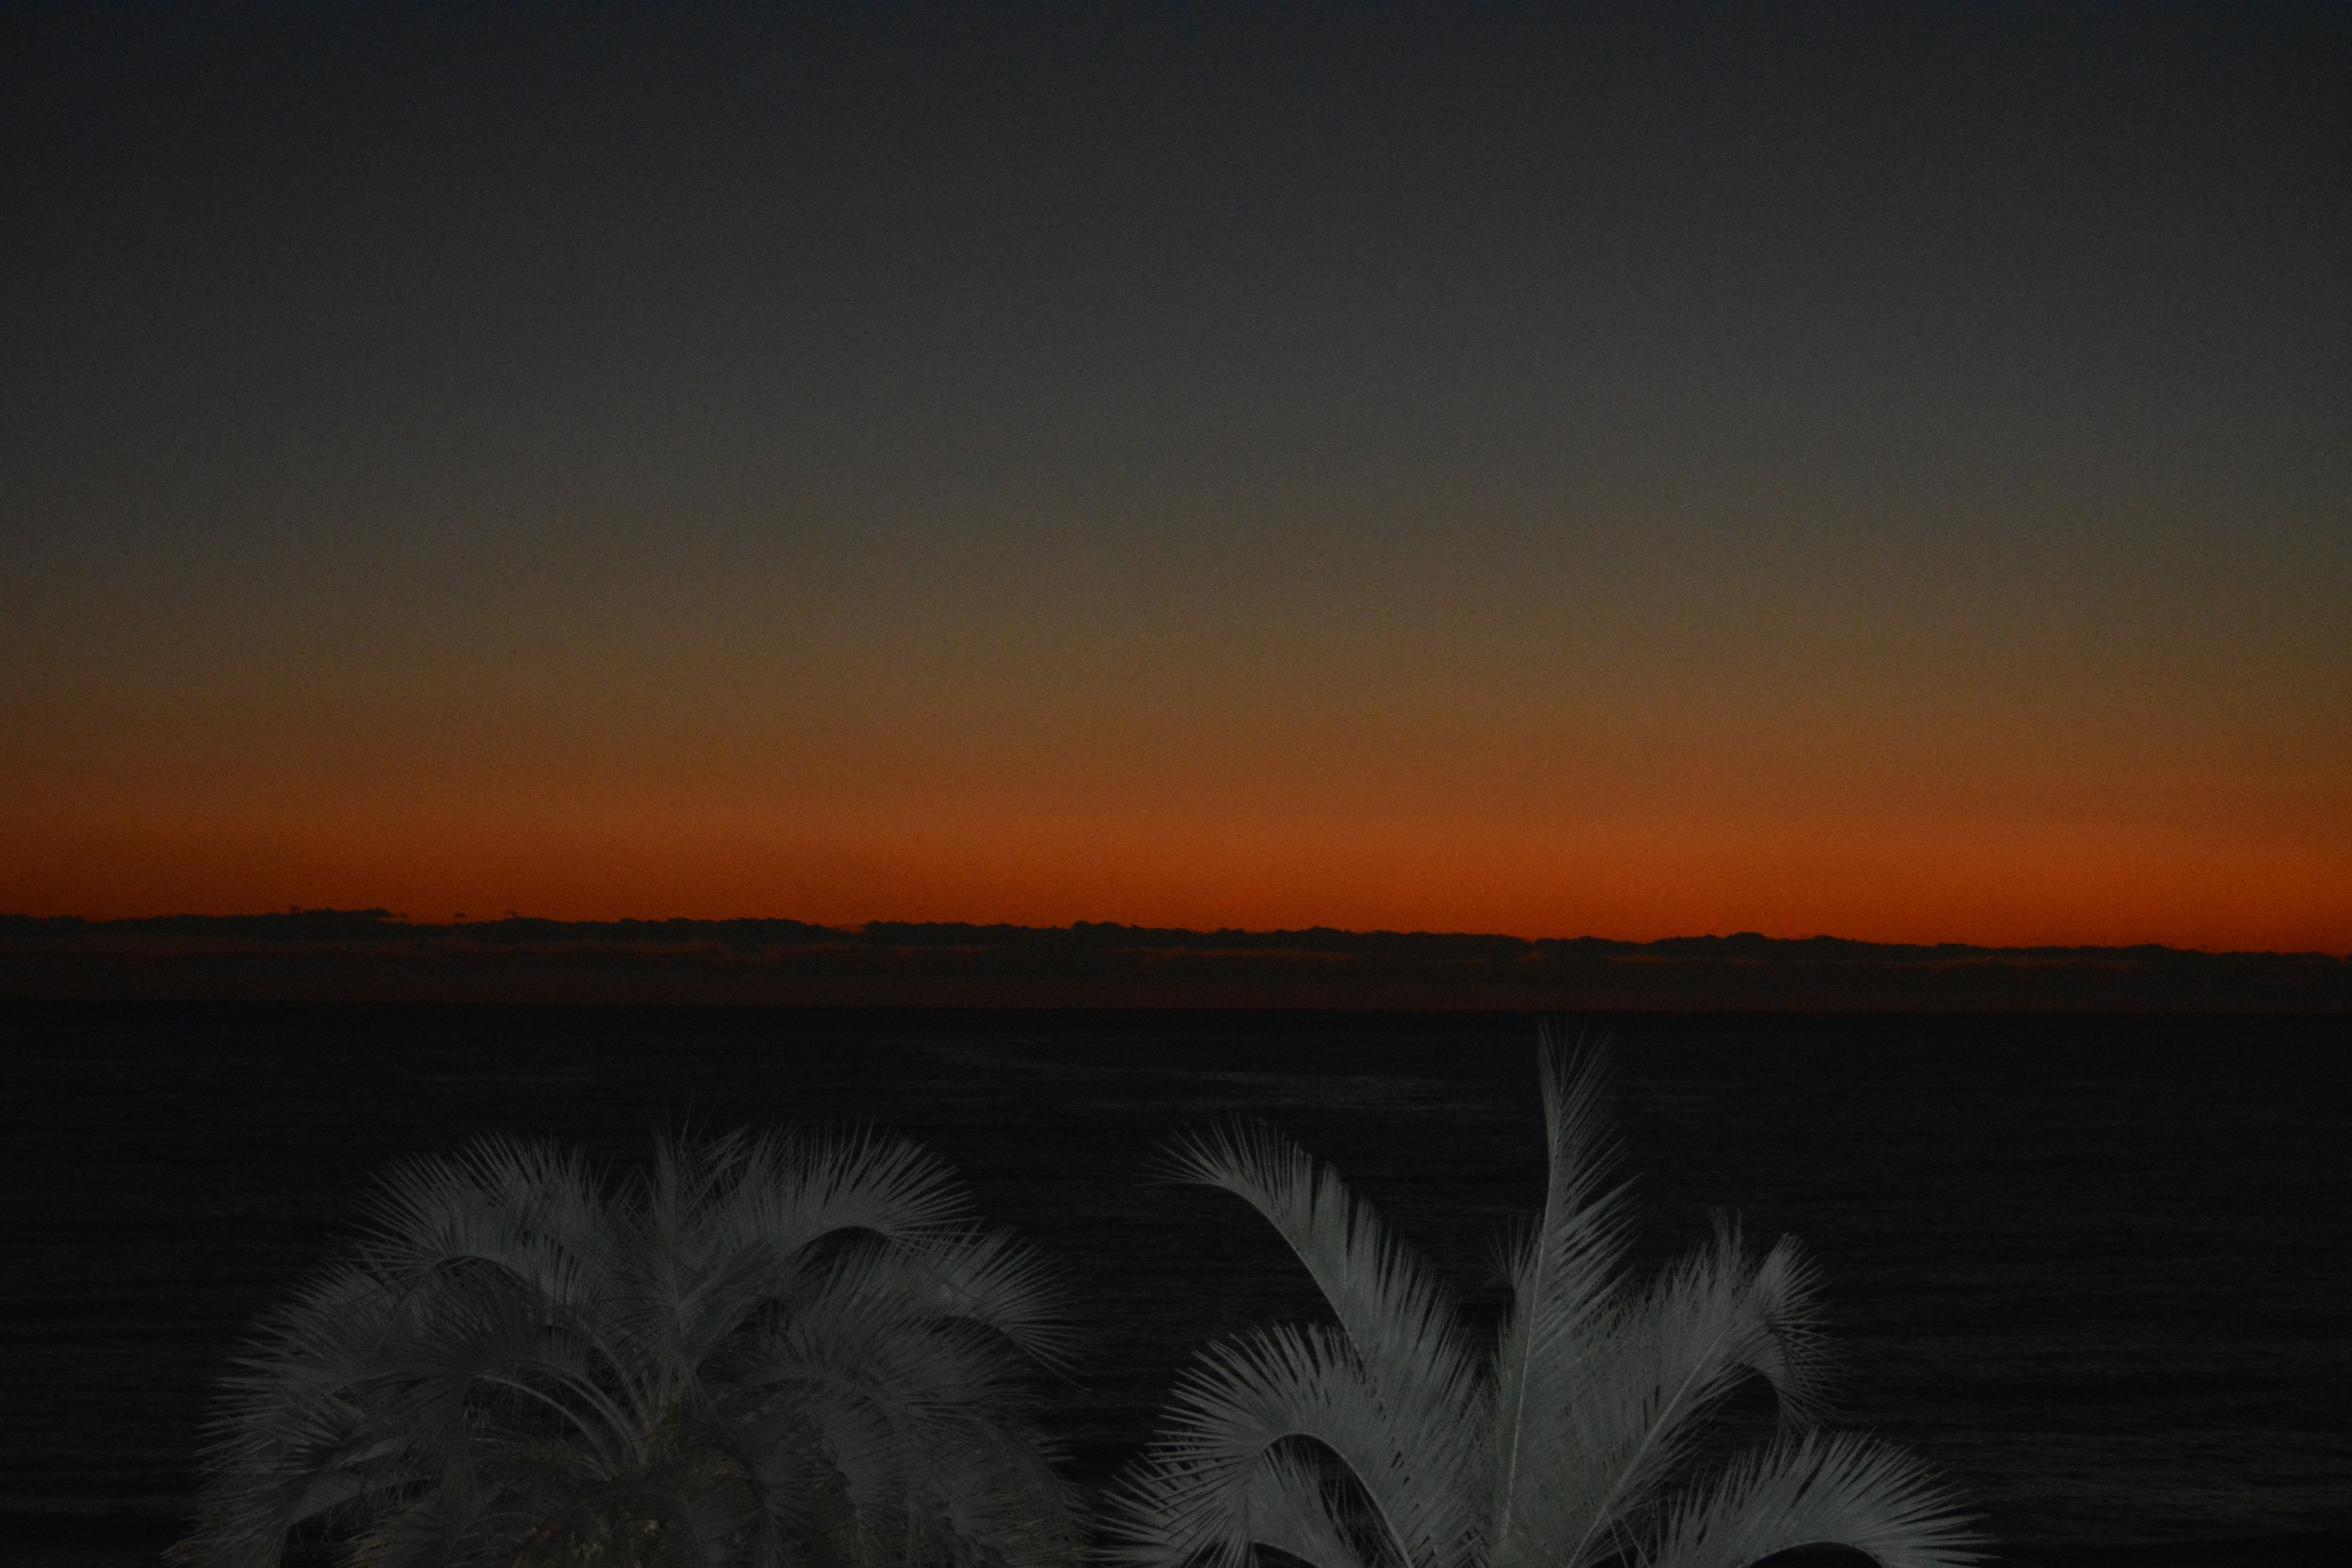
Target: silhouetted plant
pixel 1394 1438
pixel 794 1350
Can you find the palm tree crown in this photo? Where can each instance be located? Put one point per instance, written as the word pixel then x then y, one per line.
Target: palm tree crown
pixel 1395 1437
pixel 758 1352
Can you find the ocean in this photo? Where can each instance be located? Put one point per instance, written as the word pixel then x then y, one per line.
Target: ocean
pixel 2096 1268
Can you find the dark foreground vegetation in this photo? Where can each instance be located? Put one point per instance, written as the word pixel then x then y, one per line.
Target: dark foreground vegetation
pixel 806 1350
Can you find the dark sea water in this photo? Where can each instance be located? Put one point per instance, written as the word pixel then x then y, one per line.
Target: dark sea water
pixel 2097 1270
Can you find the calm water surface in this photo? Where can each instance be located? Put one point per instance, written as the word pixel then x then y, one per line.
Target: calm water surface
pixel 2097 1270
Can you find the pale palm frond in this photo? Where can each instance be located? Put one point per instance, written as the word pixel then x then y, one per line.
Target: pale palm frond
pixel 991 1278
pixel 1641 1399
pixel 1290 1499
pixel 530 1209
pixel 1843 1490
pixel 879 1397
pixel 800 1349
pixel 798 1185
pixel 1302 1508
pixel 1400 1320
pixel 1564 1275
pixel 1237 1422
pixel 1380 1444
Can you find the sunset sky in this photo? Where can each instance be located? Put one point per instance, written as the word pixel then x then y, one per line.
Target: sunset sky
pixel 1876 470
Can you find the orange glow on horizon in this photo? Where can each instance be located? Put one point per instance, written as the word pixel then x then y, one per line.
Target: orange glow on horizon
pixel 1642 811
pixel 1629 880
pixel 1595 484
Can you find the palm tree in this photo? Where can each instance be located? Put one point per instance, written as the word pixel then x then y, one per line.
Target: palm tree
pixel 794 1350
pixel 1395 1437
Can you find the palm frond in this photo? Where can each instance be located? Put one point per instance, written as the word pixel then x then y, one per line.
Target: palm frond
pixel 1377 1445
pixel 1562 1278
pixel 1656 1373
pixel 1841 1490
pixel 797 1187
pixel 1291 1501
pixel 1234 1423
pixel 800 1347
pixel 1400 1321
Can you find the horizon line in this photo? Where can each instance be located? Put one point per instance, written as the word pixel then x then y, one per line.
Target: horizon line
pixel 380 918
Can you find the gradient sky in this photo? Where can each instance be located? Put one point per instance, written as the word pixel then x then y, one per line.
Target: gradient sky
pixel 1876 470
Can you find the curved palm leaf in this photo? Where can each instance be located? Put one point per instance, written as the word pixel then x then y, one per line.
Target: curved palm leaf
pixel 794 1349
pixel 1383 1441
pixel 1416 1449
